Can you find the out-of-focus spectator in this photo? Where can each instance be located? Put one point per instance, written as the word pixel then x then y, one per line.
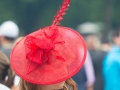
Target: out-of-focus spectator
pixel 6 73
pixel 97 55
pixel 111 64
pixel 85 78
pixel 92 35
pixel 9 31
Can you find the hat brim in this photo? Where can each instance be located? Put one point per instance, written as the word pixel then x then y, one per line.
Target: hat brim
pixel 74 52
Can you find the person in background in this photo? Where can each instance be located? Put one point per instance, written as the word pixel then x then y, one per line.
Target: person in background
pixel 91 33
pixel 111 64
pixel 85 78
pixel 9 31
pixel 97 55
pixel 6 73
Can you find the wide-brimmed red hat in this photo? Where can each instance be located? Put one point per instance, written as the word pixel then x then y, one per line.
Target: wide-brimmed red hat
pixel 49 55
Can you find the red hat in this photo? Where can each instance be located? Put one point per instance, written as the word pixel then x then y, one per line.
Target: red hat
pixel 49 55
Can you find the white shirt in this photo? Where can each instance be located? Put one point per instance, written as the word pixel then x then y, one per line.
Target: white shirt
pixel 16 81
pixel 3 87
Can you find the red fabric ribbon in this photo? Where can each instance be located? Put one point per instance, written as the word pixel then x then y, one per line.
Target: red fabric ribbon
pixel 41 45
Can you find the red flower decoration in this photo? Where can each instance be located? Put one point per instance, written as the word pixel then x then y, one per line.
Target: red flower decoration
pixel 41 45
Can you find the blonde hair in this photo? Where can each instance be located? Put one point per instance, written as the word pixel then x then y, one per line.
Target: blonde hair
pixel 6 73
pixel 24 85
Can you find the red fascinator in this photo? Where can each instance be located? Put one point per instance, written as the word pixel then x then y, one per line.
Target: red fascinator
pixel 51 54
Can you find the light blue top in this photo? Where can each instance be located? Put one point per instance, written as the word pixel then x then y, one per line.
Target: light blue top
pixel 111 69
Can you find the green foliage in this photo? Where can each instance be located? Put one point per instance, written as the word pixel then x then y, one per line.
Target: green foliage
pixel 30 15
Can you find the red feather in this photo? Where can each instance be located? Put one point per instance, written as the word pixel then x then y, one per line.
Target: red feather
pixel 61 12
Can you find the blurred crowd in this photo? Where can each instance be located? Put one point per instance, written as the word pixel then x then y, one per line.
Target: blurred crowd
pixel 101 70
pixel 104 53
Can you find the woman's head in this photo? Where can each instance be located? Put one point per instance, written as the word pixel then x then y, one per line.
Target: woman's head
pixel 6 73
pixel 49 55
